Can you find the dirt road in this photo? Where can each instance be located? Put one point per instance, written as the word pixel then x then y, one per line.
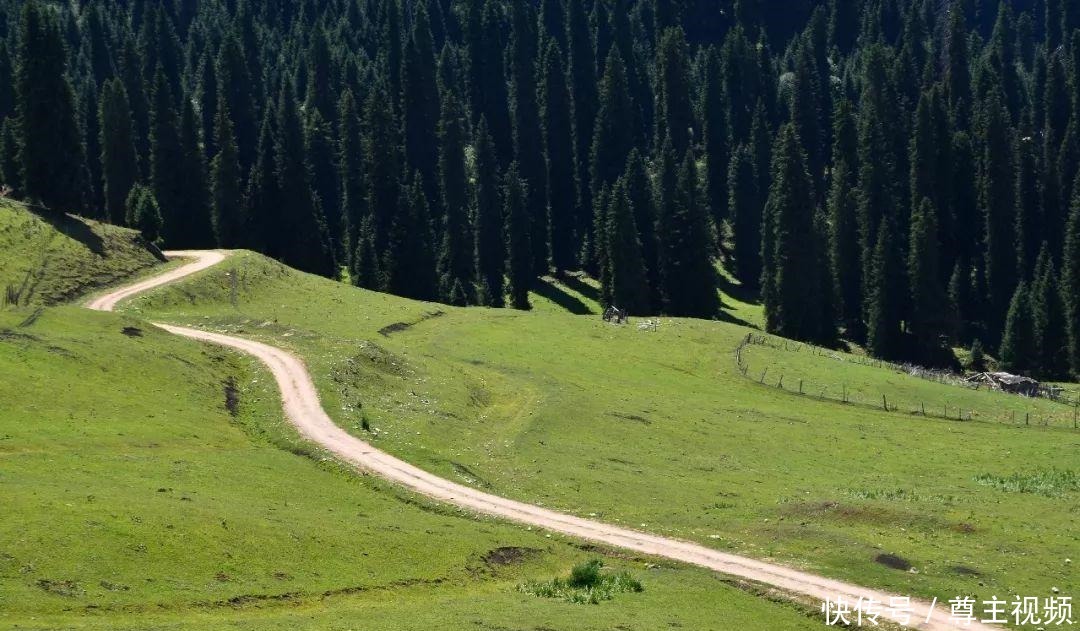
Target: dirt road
pixel 302 407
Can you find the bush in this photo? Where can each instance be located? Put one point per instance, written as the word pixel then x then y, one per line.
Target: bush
pixel 587 585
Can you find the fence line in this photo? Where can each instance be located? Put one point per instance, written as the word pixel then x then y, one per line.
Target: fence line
pixel 959 413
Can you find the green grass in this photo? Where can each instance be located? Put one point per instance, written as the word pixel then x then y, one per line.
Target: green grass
pixel 134 499
pixel 835 375
pixel 658 430
pixel 587 584
pixel 48 259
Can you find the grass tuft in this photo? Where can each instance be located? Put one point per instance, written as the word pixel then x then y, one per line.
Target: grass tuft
pixel 1048 483
pixel 587 585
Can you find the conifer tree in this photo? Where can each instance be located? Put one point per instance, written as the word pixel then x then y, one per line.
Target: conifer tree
pixel 408 264
pixel 519 253
pixel 261 192
pixel 364 271
pixel 456 252
pixel 235 91
pixel 1070 282
pixel 625 283
pixel 228 213
pixel 166 154
pixel 306 245
pixel 997 189
pixel 490 245
pixel 1048 314
pixel 528 137
pixel 382 165
pixel 195 208
pixel 420 104
pixel 143 214
pixel 487 75
pixel 611 142
pixel 924 278
pixel 583 90
pixel 715 137
pixel 1018 340
pixel 320 161
pixel 674 117
pixel 559 153
pixel 745 204
pixel 686 275
pixel 10 167
pixel 794 296
pixel 842 207
pixel 50 149
pixel 884 287
pixel 351 173
pixel 957 70
pixel 119 166
pixel 640 195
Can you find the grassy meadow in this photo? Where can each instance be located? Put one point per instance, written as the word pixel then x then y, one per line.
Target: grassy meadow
pixel 658 430
pixel 151 483
pixel 52 258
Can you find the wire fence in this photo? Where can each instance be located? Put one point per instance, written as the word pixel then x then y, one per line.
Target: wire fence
pixel 1061 411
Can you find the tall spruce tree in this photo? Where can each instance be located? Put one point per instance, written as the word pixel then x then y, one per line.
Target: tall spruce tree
pixel 528 134
pixel 745 204
pixel 1070 282
pixel 559 155
pixel 928 319
pixel 674 116
pixel 625 282
pixel 715 137
pixel 166 154
pixel 420 103
pixel 305 246
pixel 50 147
pixel 490 248
pixel 351 172
pixel 227 202
pixel 997 190
pixel 640 195
pixel 518 246
pixel 119 165
pixel 1048 313
pixel 456 271
pixel 885 286
pixel 794 296
pixel 1018 341
pixel 409 262
pixel 686 275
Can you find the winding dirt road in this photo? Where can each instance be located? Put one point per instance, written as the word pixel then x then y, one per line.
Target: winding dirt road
pixel 302 407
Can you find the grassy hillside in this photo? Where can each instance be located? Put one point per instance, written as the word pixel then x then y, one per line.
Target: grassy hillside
pixel 150 483
pixel 47 259
pixel 659 430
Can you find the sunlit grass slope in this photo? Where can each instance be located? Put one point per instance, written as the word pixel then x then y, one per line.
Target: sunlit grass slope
pixel 51 258
pixel 658 430
pixel 149 482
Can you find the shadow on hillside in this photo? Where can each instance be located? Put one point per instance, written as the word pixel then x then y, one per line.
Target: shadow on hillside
pixel 73 227
pixel 724 316
pixel 585 289
pixel 737 290
pixel 547 289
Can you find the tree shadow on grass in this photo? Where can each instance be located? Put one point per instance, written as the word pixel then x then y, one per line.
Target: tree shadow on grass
pixel 548 289
pixel 73 227
pixel 585 289
pixel 737 290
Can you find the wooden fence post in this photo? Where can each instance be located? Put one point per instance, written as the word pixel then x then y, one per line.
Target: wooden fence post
pixel 884 403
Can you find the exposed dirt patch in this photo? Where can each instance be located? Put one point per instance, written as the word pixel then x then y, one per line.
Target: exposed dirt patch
pixel 631 417
pixel 232 396
pixel 132 331
pixel 894 561
pixel 509 555
pixel 964 570
pixel 963 528
pixel 398 327
pixel 60 588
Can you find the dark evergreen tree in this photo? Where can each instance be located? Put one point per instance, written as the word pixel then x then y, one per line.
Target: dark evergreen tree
pixel 519 252
pixel 50 147
pixel 1018 343
pixel 528 134
pixel 195 208
pixel 715 138
pixel 456 254
pixel 583 90
pixel 1070 282
pixel 320 156
pixel 351 174
pixel 745 204
pixel 885 285
pixel 640 195
pixel 997 192
pixel 119 166
pixel 166 155
pixel 928 319
pixel 304 244
pixel 790 259
pixel 225 191
pixel 409 261
pixel 382 165
pixel 1048 313
pixel 674 116
pixel 611 144
pixel 420 104
pixel 143 213
pixel 686 274
pixel 559 153
pixel 625 283
pixel 490 246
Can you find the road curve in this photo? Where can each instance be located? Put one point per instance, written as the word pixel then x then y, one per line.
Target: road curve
pixel 301 403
